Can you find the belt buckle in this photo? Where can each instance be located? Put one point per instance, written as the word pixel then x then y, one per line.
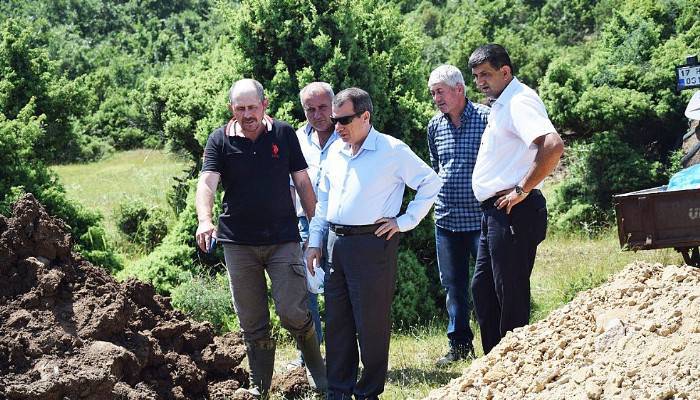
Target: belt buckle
pixel 338 230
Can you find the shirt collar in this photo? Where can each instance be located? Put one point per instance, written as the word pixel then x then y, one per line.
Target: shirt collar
pixel 370 142
pixel 308 130
pixel 231 131
pixel 466 113
pixel 507 92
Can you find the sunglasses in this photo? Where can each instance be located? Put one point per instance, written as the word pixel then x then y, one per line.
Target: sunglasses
pixel 346 119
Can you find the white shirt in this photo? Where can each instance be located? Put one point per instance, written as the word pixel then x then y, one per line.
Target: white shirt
pixel 315 157
pixel 362 188
pixel 507 151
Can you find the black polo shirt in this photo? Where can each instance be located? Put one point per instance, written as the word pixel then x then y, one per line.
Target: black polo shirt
pixel 257 206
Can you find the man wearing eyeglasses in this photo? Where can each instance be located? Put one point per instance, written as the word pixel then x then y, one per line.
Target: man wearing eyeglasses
pixel 253 157
pixel 359 199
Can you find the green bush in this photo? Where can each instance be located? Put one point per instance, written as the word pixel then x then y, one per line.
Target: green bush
pixel 154 229
pixel 129 215
pixel 413 302
pixel 597 170
pixel 206 298
pixel 144 225
pixel 163 267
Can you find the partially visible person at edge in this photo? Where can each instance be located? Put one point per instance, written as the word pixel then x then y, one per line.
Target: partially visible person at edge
pixel 253 157
pixel 315 138
pixel 359 201
pixel 454 135
pixel 519 148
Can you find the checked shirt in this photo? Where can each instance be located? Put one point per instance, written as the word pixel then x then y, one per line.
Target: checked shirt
pixel 452 155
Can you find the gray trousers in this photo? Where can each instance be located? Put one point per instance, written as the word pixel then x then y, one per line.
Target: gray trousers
pixel 359 289
pixel 246 267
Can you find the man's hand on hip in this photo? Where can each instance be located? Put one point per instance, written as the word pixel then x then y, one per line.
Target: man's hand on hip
pixel 389 226
pixel 204 234
pixel 313 258
pixel 509 200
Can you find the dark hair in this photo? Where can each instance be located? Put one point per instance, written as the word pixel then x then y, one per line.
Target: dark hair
pixel 360 99
pixel 495 54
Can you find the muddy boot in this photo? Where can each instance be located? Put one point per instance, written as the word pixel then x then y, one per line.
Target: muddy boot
pixel 261 359
pixel 308 344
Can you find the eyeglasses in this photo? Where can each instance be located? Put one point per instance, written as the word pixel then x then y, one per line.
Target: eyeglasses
pixel 346 119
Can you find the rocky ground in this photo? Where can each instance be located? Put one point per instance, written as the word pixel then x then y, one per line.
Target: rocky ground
pixel 69 330
pixel 635 337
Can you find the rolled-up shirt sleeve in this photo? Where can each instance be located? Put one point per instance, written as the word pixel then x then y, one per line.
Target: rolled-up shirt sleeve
pixel 319 225
pixel 418 176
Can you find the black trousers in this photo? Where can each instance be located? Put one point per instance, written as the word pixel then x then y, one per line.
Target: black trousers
pixel 501 283
pixel 359 288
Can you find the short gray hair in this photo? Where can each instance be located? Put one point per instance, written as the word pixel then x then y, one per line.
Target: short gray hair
pixel 243 84
pixel 447 74
pixel 360 99
pixel 316 87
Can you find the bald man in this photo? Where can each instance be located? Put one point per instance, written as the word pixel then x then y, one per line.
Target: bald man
pixel 253 156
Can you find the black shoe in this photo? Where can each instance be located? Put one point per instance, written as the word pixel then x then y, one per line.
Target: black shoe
pixel 456 353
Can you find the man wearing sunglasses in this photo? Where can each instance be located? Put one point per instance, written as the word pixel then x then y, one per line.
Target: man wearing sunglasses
pixel 359 199
pixel 253 157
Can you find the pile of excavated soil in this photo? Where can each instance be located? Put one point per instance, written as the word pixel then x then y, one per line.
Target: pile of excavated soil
pixel 69 330
pixel 635 337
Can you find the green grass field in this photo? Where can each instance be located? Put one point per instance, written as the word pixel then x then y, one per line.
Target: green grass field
pixel 135 174
pixel 564 265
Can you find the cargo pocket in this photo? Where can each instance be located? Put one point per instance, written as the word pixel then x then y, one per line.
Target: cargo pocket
pixel 299 269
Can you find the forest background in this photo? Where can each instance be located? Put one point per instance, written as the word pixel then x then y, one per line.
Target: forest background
pixel 82 79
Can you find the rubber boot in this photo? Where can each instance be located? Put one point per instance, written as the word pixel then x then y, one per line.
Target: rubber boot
pixel 308 344
pixel 261 360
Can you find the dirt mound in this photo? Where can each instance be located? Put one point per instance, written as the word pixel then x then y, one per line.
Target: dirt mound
pixel 635 337
pixel 69 330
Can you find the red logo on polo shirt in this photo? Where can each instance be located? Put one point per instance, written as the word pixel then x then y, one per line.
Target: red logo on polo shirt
pixel 275 151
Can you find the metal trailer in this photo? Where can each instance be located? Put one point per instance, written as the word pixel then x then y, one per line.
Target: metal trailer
pixel 656 218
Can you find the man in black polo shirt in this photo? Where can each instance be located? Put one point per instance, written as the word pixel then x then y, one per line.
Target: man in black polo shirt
pixel 253 157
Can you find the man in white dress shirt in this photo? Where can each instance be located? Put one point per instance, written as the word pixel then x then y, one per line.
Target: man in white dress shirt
pixel 359 200
pixel 519 148
pixel 315 138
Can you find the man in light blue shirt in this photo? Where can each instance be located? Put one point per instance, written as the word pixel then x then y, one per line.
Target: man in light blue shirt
pixel 315 138
pixel 359 200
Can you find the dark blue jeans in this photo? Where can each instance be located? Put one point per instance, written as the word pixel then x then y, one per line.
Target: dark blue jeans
pixel 454 249
pixel 313 297
pixel 507 248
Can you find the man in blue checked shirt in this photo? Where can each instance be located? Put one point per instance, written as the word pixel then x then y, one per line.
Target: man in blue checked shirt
pixel 454 135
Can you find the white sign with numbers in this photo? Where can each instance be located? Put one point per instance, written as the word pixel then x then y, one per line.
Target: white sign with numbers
pixel 688 76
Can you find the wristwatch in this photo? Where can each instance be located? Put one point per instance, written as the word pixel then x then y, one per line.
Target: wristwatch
pixel 520 192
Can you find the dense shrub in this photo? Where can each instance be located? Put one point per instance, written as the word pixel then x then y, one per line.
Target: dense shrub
pixel 163 267
pixel 413 302
pixel 142 224
pixel 206 298
pixel 597 170
pixel 129 215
